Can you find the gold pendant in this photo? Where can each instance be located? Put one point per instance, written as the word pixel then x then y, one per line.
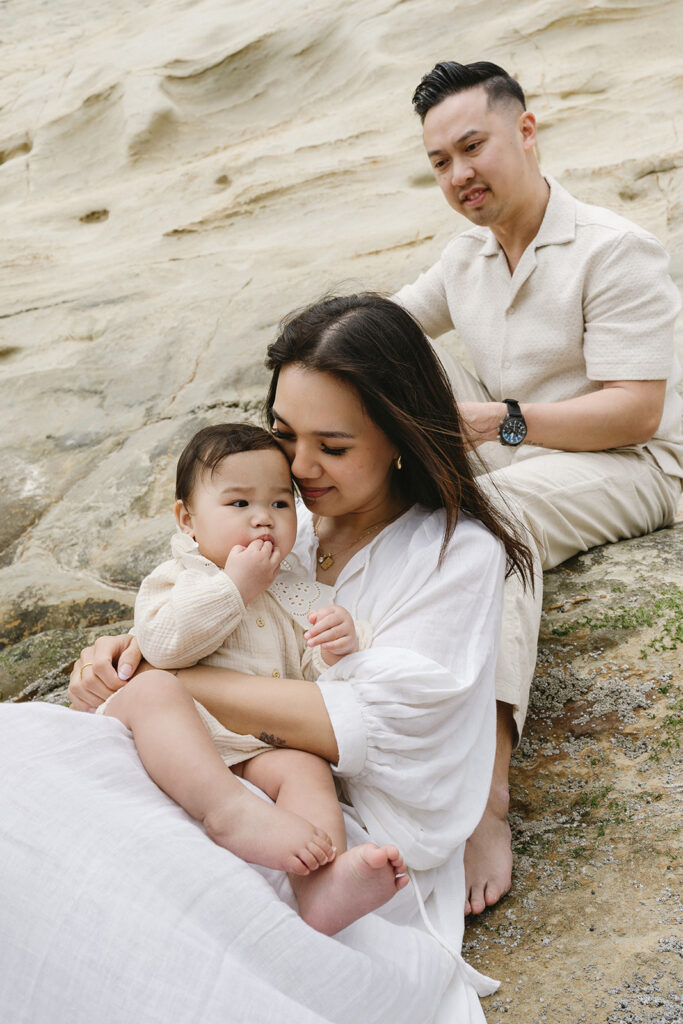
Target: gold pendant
pixel 325 561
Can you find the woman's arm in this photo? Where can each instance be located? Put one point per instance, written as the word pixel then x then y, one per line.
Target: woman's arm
pixel 282 712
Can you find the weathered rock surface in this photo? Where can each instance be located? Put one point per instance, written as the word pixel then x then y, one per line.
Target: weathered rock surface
pixel 174 177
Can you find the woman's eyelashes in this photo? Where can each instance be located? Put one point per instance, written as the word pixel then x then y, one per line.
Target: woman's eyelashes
pixel 280 435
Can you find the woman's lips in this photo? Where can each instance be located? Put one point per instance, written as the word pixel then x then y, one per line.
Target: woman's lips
pixel 312 493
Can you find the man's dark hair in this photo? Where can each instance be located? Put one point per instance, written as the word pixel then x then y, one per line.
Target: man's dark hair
pixel 208 448
pixel 449 77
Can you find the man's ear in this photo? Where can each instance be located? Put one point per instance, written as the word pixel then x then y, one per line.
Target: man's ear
pixel 527 127
pixel 183 518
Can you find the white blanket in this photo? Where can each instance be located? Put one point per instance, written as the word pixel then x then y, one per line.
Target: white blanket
pixel 116 908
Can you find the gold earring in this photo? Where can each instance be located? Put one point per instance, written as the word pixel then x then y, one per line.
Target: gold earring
pixel 399 463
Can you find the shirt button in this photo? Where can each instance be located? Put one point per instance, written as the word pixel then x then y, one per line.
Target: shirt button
pixel 506 364
pixel 260 622
pixel 275 673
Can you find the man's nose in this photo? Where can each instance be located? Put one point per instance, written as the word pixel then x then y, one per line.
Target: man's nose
pixel 462 172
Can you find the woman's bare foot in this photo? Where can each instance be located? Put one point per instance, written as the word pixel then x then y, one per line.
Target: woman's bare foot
pixel 488 855
pixel 357 882
pixel 264 834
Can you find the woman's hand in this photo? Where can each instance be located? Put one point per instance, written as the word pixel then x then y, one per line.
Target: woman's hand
pixel 102 670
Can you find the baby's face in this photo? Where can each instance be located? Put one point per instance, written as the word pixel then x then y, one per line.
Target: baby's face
pixel 247 497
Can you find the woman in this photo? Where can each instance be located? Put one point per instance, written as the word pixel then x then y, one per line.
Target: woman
pixel 394 521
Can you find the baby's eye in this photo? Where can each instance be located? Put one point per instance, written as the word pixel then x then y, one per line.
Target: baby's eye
pixel 280 504
pixel 239 503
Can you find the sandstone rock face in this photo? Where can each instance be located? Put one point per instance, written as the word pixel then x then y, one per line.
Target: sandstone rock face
pixel 174 177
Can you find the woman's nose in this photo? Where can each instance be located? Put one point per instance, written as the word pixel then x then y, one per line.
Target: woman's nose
pixel 304 465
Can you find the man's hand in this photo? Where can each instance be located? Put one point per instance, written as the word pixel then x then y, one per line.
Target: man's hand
pixel 254 568
pixel 332 628
pixel 480 421
pixel 102 670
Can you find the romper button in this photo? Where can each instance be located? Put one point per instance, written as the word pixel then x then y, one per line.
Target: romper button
pixel 275 673
pixel 260 622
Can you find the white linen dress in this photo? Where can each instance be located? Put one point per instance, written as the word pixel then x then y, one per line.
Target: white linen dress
pixel 115 906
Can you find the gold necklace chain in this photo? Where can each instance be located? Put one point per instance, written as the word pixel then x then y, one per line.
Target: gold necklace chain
pixel 326 559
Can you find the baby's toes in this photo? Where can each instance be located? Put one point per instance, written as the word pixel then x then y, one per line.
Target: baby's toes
pixel 323 854
pixel 295 865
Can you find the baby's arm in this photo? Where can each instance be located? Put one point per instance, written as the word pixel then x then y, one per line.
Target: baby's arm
pixel 334 631
pixel 182 615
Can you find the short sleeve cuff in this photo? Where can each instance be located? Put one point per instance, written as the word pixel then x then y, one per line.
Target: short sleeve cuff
pixel 347 722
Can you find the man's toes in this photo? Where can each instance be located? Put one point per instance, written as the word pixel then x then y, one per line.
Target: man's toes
pixel 468 908
pixel 477 901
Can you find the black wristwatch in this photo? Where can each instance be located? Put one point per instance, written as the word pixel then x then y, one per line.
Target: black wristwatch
pixel 512 430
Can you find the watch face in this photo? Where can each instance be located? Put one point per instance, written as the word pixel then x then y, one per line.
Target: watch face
pixel 513 430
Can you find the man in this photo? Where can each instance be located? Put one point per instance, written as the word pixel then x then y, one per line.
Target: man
pixel 568 313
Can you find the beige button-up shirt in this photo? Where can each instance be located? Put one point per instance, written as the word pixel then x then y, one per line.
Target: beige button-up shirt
pixel 591 300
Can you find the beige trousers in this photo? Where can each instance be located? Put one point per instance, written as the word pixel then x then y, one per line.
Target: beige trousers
pixel 568 502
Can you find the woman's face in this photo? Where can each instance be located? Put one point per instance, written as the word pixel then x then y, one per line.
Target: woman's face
pixel 339 457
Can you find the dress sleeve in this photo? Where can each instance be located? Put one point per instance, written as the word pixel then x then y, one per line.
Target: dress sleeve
pixel 630 306
pixel 414 716
pixel 183 615
pixel 425 299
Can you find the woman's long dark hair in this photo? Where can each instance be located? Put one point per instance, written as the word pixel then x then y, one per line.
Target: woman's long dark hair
pixel 374 345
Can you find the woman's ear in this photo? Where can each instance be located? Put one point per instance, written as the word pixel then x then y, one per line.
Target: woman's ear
pixel 183 518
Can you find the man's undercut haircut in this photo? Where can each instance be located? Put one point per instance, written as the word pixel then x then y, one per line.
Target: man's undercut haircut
pixel 448 77
pixel 207 449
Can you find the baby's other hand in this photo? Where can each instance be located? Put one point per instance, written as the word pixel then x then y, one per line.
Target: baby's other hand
pixel 333 630
pixel 253 568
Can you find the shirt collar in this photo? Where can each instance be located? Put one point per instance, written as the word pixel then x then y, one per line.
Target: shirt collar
pixel 558 224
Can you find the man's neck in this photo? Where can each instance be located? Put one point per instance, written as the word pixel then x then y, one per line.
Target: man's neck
pixel 515 235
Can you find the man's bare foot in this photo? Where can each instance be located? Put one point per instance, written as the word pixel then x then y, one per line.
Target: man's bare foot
pixel 262 833
pixel 488 855
pixel 357 882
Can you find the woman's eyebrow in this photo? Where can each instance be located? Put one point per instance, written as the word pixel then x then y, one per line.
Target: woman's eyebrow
pixel 318 433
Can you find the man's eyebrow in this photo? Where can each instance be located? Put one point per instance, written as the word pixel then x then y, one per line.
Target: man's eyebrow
pixel 318 433
pixel 463 138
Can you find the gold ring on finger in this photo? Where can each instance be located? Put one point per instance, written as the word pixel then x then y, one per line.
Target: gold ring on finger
pixel 87 665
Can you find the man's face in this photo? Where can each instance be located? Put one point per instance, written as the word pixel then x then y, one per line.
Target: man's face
pixel 481 155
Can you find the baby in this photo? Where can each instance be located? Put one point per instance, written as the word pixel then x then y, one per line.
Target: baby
pixel 225 600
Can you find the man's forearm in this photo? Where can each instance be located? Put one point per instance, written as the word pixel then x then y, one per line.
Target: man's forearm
pixel 620 413
pixel 284 712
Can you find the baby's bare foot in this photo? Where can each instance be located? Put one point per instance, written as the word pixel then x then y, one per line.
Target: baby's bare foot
pixel 357 882
pixel 262 833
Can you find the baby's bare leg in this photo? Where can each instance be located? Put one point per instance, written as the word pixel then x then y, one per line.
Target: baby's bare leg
pixel 303 784
pixel 179 755
pixel 357 881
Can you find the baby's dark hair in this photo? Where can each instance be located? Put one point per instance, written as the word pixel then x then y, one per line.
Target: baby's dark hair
pixel 210 446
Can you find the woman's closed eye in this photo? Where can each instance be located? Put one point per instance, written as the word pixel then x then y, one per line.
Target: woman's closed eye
pixel 333 451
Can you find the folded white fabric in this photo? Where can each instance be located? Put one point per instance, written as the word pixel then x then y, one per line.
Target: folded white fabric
pixel 115 907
